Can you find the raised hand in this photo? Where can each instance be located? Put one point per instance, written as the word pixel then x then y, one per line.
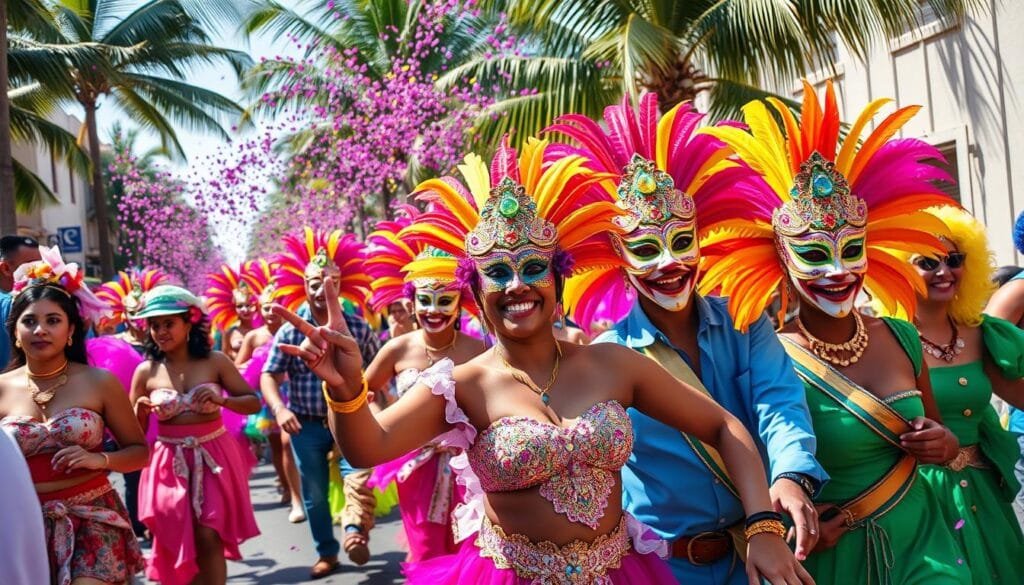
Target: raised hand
pixel 329 350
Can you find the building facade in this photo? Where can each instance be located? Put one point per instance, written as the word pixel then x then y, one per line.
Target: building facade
pixel 969 76
pixel 70 222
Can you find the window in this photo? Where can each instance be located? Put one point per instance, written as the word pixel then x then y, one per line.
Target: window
pixel 952 166
pixel 927 25
pixel 71 181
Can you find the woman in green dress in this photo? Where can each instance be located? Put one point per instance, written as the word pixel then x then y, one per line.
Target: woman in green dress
pixel 826 223
pixel 970 356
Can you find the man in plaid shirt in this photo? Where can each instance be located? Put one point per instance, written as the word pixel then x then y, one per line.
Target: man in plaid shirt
pixel 305 419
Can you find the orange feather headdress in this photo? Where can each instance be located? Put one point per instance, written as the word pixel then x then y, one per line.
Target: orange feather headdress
pixel 520 201
pixel 813 180
pixel 124 294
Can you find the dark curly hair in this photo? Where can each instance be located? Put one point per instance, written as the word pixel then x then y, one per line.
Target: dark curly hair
pixel 69 304
pixel 199 344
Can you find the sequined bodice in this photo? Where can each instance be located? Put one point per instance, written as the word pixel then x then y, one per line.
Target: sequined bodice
pixel 574 465
pixel 73 426
pixel 169 403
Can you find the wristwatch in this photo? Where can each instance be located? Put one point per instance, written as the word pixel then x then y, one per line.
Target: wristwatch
pixel 805 482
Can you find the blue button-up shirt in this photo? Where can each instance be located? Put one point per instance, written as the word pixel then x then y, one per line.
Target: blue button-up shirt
pixel 664 484
pixel 304 394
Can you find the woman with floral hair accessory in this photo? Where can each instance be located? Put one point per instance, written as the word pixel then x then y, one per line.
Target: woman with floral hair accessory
pixel 831 218
pixel 58 408
pixel 543 423
pixel 194 494
pixel 426 485
pixel 970 356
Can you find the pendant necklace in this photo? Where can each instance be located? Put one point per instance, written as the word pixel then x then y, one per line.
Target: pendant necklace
pixel 41 396
pixel 525 380
pixel 947 352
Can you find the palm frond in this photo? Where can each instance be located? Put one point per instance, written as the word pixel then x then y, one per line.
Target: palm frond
pixel 30 192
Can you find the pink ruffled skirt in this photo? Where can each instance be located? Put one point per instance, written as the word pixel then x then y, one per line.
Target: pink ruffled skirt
pixel 196 473
pixel 427 493
pixel 495 558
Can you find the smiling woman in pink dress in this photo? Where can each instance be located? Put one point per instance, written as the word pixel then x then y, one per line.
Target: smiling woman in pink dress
pixel 194 494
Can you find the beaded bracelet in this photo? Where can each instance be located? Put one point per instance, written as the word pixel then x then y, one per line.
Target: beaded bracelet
pixel 766 515
pixel 765 527
pixel 348 406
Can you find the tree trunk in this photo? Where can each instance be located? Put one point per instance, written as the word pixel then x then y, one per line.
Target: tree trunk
pixel 99 195
pixel 8 217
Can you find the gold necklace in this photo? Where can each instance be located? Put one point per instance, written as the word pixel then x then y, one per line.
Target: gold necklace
pixel 525 380
pixel 427 348
pixel 43 397
pixel 839 354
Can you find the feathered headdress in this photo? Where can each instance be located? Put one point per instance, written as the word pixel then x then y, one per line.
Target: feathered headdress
pixel 519 201
pixel 228 287
pixel 124 294
pixel 387 255
pixel 259 275
pixel 311 253
pixel 51 271
pixel 812 180
pixel 660 169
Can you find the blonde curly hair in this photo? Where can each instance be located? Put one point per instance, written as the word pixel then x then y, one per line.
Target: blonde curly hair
pixel 976 286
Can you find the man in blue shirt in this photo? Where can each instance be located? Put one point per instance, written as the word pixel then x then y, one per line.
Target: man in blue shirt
pixel 305 419
pixel 14 251
pixel 672 482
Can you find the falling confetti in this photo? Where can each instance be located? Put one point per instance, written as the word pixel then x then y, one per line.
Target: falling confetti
pixel 959 524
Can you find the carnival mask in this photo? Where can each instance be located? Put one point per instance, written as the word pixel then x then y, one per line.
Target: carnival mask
pixel 528 265
pixel 661 262
pixel 437 307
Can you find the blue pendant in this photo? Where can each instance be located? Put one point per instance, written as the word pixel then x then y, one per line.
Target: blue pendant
pixel 544 398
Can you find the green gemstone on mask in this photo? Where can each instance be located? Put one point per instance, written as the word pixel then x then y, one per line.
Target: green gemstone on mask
pixel 509 206
pixel 822 185
pixel 646 184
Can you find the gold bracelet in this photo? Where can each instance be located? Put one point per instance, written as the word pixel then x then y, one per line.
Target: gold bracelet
pixel 106 460
pixel 767 526
pixel 348 406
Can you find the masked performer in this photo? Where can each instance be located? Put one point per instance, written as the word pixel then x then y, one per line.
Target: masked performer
pixel 827 222
pixel 426 485
pixel 58 410
pixel 662 173
pixel 544 423
pixel 970 356
pixel 311 261
pixel 194 494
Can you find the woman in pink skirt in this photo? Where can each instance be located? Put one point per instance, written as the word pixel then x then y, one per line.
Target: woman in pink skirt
pixel 194 495
pixel 426 486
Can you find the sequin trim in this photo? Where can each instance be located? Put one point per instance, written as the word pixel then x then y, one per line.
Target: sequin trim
pixel 900 396
pixel 546 563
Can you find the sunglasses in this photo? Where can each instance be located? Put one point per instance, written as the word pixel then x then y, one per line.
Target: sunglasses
pixel 954 260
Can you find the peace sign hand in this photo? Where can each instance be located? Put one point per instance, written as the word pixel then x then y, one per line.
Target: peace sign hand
pixel 329 350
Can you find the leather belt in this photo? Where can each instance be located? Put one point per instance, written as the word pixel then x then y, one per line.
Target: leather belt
pixel 704 548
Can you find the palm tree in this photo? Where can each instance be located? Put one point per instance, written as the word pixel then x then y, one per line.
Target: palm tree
pixel 15 192
pixel 582 55
pixel 145 55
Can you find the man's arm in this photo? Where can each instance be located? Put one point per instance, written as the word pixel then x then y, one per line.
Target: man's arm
pixel 270 383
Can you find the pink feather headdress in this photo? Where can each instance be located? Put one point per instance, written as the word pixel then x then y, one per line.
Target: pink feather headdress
pixel 659 169
pixel 313 250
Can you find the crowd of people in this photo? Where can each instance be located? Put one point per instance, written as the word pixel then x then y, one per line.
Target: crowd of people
pixel 643 349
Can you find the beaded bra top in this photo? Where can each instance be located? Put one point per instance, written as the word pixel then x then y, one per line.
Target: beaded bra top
pixel 575 466
pixel 169 403
pixel 73 426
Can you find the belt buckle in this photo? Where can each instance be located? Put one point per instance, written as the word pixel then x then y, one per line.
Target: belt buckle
pixel 689 548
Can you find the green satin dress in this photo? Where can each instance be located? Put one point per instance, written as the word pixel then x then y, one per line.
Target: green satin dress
pixel 976 502
pixel 908 545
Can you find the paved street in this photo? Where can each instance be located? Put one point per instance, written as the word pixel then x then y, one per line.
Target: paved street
pixel 284 552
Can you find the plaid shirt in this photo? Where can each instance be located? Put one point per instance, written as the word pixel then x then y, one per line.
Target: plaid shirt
pixel 304 394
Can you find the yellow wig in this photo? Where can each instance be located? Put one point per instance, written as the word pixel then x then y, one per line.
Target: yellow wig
pixel 976 286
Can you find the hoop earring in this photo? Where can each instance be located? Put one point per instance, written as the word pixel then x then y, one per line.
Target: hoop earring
pixel 17 343
pixel 70 341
